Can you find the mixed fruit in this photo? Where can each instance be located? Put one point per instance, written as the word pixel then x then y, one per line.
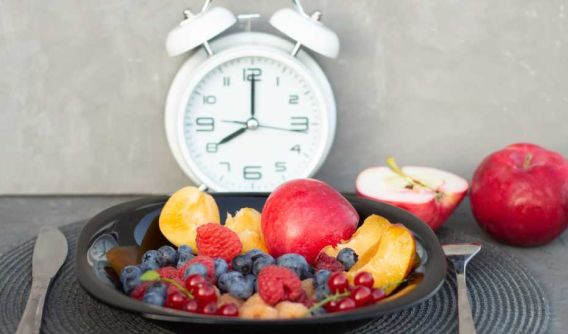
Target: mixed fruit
pixel 233 270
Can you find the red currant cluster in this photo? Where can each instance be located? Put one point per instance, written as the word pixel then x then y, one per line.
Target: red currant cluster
pixel 348 297
pixel 199 296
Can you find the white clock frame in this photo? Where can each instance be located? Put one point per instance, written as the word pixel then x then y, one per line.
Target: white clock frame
pixel 230 47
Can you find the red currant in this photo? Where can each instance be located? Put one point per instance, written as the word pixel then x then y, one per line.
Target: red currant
pixel 364 279
pixel 377 294
pixel 337 282
pixel 191 306
pixel 228 310
pixel 205 294
pixel 194 281
pixel 346 304
pixel 210 308
pixel 362 296
pixel 331 306
pixel 176 300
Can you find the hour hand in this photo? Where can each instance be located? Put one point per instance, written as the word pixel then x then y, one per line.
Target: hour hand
pixel 232 135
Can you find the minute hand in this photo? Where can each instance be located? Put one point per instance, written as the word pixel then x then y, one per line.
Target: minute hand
pixel 265 126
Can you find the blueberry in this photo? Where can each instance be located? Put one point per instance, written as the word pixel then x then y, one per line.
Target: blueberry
pixel 262 262
pixel 184 254
pixel 255 254
pixel 196 268
pixel 322 276
pixel 154 298
pixel 242 288
pixel 221 267
pixel 130 278
pixel 251 279
pixel 150 256
pixel 295 262
pixel 322 291
pixel 318 311
pixel 347 257
pixel 157 287
pixel 242 263
pixel 167 256
pixel 229 278
pixel 145 266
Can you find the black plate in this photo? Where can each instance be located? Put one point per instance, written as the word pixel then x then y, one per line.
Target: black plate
pixel 126 224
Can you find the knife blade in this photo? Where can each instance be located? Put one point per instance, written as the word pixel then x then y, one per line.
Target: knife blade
pixel 50 251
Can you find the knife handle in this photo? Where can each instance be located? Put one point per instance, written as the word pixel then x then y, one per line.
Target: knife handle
pixel 30 323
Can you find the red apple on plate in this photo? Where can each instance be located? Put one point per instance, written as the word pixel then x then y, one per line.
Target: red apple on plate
pixel 429 193
pixel 519 195
pixel 302 216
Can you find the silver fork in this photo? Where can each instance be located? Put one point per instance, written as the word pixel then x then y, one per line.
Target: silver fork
pixel 459 255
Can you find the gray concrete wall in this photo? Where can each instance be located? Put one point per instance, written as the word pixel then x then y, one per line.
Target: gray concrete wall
pixel 435 82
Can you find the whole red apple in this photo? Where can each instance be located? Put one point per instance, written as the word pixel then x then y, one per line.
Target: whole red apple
pixel 429 193
pixel 303 216
pixel 519 195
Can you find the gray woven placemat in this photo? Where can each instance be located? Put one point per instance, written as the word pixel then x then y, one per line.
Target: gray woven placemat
pixel 505 299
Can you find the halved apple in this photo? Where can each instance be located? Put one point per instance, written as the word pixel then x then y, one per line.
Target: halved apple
pixel 185 210
pixel 393 260
pixel 429 193
pixel 365 240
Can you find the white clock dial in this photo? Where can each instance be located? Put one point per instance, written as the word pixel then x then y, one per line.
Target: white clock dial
pixel 253 122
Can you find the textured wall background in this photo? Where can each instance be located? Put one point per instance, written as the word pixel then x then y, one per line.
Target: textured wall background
pixel 439 82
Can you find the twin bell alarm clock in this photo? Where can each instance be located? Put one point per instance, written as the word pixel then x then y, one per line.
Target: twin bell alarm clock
pixel 250 110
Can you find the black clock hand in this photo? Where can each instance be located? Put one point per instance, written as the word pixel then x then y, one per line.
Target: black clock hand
pixel 265 126
pixel 232 135
pixel 252 95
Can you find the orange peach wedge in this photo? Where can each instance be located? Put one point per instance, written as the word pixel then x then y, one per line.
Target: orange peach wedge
pixel 393 260
pixel 184 211
pixel 246 224
pixel 365 240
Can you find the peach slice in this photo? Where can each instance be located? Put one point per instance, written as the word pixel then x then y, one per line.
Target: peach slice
pixel 184 211
pixel 393 260
pixel 246 223
pixel 365 240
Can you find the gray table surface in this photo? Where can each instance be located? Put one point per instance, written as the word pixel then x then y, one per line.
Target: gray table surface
pixel 21 218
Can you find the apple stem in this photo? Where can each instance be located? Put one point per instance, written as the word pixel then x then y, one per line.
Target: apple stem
pixel 412 182
pixel 527 161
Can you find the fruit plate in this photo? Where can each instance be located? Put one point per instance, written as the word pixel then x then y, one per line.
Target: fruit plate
pixel 128 223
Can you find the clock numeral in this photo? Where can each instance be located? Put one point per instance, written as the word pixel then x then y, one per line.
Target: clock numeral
pixel 298 123
pixel 293 99
pixel 211 147
pixel 277 81
pixel 296 148
pixel 250 72
pixel 226 81
pixel 227 164
pixel 252 173
pixel 209 99
pixel 205 124
pixel 280 166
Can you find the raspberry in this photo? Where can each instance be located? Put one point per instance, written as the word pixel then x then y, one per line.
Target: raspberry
pixel 258 311
pixel 290 310
pixel 169 272
pixel 276 284
pixel 139 290
pixel 208 262
pixel 216 240
pixel 324 261
pixel 308 286
pixel 172 288
pixel 305 300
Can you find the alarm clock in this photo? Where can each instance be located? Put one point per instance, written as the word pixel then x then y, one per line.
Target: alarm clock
pixel 250 110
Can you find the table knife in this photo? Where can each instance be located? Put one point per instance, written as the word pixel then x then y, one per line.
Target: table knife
pixel 49 254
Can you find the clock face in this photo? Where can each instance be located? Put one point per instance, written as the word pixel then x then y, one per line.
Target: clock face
pixel 253 122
